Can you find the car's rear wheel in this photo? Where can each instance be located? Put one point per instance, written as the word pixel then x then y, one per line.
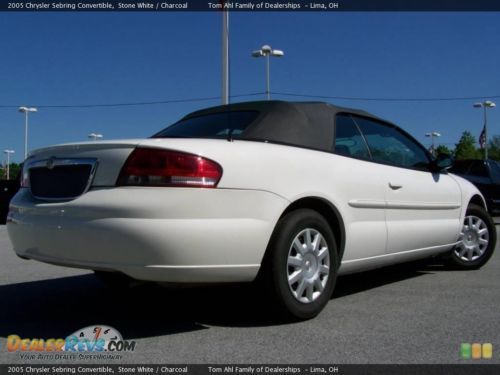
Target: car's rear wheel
pixel 301 264
pixel 477 240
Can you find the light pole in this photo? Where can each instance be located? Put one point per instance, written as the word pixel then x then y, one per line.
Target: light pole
pixel 8 152
pixel 95 136
pixel 433 135
pixel 266 51
pixel 225 54
pixel 484 134
pixel 26 110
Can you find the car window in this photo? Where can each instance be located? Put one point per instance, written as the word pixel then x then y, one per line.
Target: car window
pixel 461 167
pixel 213 125
pixel 479 169
pixel 348 139
pixel 495 168
pixel 389 145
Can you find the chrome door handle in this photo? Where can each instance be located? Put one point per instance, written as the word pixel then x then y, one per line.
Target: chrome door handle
pixel 395 186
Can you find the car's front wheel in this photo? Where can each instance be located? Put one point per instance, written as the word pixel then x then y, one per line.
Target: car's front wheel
pixel 301 265
pixel 477 240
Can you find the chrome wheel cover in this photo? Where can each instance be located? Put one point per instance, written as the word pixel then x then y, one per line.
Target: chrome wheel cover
pixel 474 239
pixel 308 265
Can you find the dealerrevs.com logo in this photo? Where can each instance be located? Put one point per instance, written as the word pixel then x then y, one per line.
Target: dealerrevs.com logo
pixel 95 339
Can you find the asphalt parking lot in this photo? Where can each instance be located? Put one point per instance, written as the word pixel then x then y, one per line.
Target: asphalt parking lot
pixel 416 313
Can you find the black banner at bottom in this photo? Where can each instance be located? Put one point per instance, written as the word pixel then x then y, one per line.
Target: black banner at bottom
pixel 252 369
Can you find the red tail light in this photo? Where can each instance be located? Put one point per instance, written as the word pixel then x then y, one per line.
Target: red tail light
pixel 155 167
pixel 25 178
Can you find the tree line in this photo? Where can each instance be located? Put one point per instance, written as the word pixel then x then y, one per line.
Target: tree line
pixel 14 170
pixel 466 148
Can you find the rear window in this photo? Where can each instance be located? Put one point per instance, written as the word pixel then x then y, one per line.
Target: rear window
pixel 214 125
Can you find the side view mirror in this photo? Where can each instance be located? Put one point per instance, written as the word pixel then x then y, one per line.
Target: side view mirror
pixel 443 162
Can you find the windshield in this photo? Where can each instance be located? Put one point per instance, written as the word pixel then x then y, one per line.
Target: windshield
pixel 214 125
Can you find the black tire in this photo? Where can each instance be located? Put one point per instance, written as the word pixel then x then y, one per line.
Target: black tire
pixel 479 259
pixel 276 270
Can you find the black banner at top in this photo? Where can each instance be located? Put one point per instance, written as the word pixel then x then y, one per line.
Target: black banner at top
pixel 249 5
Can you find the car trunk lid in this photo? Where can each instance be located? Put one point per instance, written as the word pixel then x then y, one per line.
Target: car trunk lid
pixel 72 168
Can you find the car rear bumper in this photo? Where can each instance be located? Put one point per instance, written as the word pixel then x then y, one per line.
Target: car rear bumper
pixel 179 235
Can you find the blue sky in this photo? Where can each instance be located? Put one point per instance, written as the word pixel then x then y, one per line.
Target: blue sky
pixel 86 58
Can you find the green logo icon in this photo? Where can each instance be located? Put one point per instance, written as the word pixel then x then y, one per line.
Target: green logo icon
pixel 466 350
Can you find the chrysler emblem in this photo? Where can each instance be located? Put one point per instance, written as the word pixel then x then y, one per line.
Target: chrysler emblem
pixel 51 162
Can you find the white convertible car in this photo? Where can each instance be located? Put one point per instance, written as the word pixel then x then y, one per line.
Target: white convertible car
pixel 292 194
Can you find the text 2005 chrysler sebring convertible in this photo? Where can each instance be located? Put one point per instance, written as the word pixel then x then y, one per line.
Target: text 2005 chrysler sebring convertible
pixel 293 194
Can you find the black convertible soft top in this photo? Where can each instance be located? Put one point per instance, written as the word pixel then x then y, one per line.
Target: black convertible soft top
pixel 305 124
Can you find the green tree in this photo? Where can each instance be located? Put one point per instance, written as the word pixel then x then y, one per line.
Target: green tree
pixel 14 169
pixel 494 148
pixel 442 149
pixel 466 147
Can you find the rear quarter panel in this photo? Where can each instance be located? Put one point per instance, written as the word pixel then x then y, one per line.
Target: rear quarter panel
pixel 294 173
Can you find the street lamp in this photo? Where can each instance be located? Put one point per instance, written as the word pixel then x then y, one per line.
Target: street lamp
pixel 225 53
pixel 483 138
pixel 433 135
pixel 8 152
pixel 266 51
pixel 26 110
pixel 95 136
